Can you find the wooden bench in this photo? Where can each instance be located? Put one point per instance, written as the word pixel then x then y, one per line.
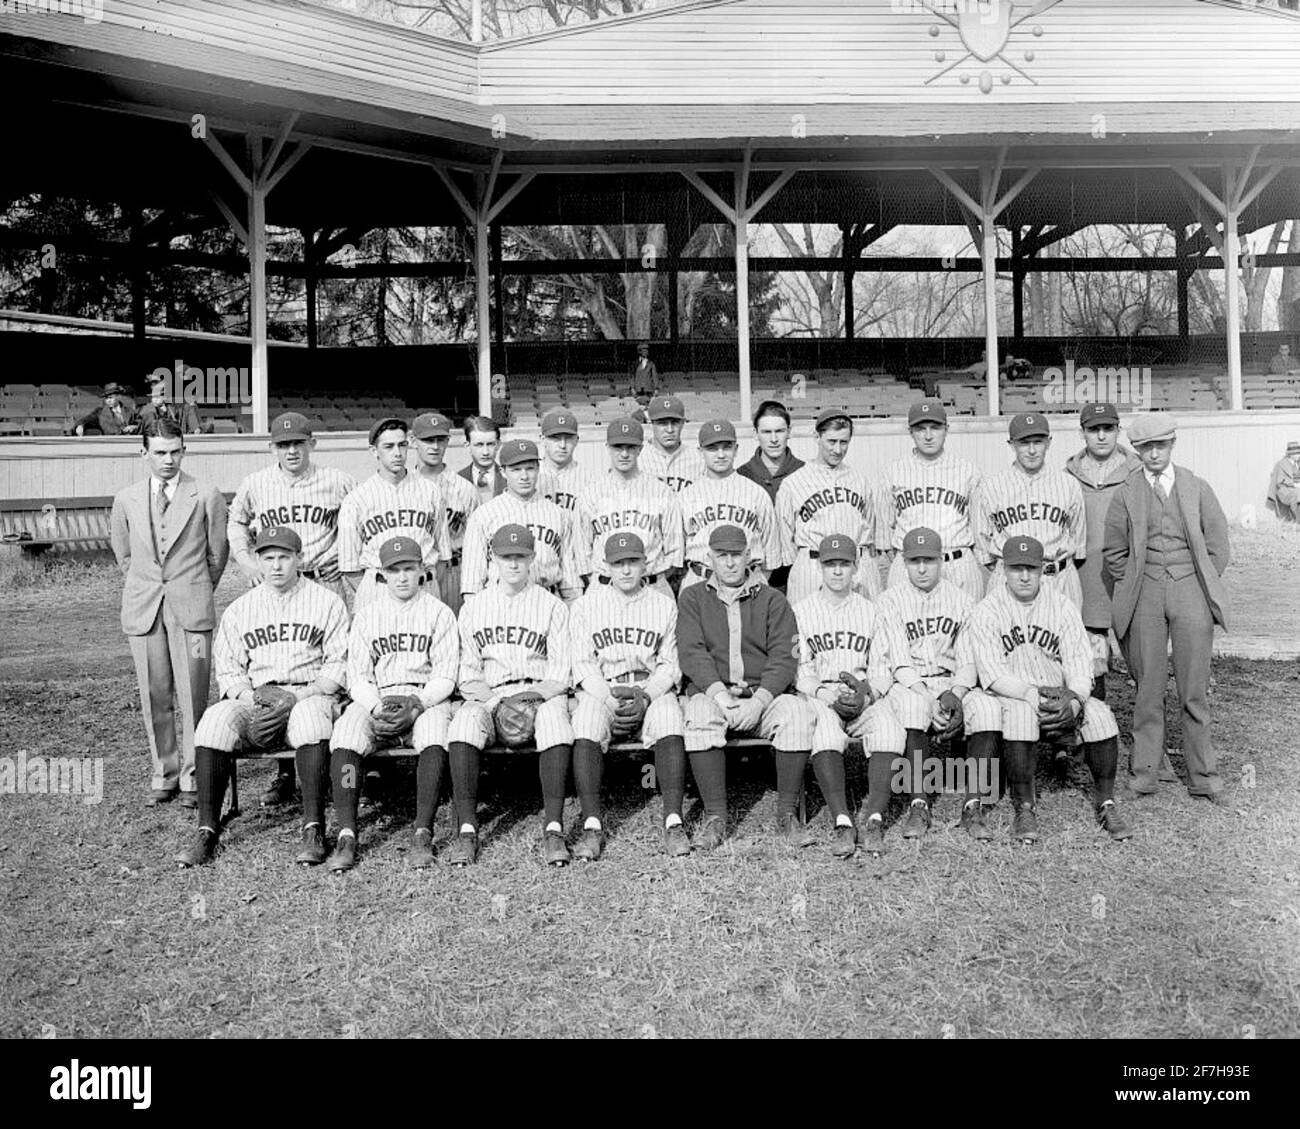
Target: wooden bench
pixel 35 525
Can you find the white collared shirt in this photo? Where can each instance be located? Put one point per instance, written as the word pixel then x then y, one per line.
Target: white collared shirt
pixel 1166 480
pixel 168 488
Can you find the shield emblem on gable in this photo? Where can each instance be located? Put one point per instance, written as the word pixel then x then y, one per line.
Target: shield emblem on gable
pixel 985 28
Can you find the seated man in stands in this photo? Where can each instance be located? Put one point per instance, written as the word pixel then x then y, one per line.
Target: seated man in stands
pixel 1017 368
pixel 1284 484
pixel 117 417
pixel 1282 363
pixel 186 414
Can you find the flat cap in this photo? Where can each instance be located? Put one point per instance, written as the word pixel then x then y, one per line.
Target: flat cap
pixel 1151 429
pixel 390 424
pixel 827 415
pixel 728 539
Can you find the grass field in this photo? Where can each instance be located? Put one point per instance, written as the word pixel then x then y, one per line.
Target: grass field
pixel 1190 929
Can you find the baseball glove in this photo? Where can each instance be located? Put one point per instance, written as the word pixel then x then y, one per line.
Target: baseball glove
pixel 271 709
pixel 632 704
pixel 1054 714
pixel 950 708
pixel 515 718
pixel 853 698
pixel 397 714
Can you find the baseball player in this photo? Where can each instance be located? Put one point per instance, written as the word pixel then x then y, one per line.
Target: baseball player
pixel 735 643
pixel 933 689
pixel 823 497
pixel 513 640
pixel 623 640
pixel 391 503
pixel 1025 637
pixel 626 499
pixel 723 497
pixel 1029 500
pixel 666 457
pixel 403 658
pixel 562 480
pixel 554 561
pixel 430 433
pixel 838 645
pixel 933 489
pixel 289 634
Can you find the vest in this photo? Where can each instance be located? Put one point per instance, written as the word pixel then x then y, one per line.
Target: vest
pixel 1168 551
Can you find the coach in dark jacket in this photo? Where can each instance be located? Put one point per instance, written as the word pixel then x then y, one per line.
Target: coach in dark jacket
pixel 735 644
pixel 117 416
pixel 1166 548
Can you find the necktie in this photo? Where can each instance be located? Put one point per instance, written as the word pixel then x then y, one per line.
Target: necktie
pixel 482 478
pixel 1160 490
pixel 162 500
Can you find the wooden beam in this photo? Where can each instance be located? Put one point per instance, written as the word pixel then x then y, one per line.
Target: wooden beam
pixel 767 194
pixel 228 162
pixel 277 146
pixel 286 166
pixel 471 213
pixel 508 195
pixel 958 192
pixel 712 197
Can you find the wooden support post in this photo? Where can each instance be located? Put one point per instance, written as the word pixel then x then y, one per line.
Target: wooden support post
pixel 309 264
pixel 849 251
pixel 1184 275
pixel 989 244
pixel 482 299
pixel 1232 299
pixel 742 289
pixel 1018 285
pixel 257 302
pixel 498 284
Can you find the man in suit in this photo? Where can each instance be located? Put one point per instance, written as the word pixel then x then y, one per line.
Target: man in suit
pixel 117 417
pixel 186 413
pixel 1166 547
pixel 483 435
pixel 169 537
pixel 1284 484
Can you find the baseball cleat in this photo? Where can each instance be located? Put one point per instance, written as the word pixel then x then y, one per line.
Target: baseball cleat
pixel 1113 822
pixel 711 833
pixel 676 842
pixel 974 823
pixel 189 801
pixel 421 855
pixel 1024 826
pixel 345 854
pixel 201 850
pixel 160 796
pixel 280 791
pixel 844 842
pixel 918 820
pixel 873 835
pixel 313 846
pixel 591 844
pixel 555 850
pixel 463 850
pixel 789 828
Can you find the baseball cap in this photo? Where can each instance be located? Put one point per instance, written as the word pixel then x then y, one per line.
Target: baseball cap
pixel 826 415
pixel 511 540
pixel 1028 424
pixel 1022 551
pixel 559 422
pixel 388 424
pixel 1151 429
pixel 625 432
pixel 398 549
pixel 289 426
pixel 837 547
pixel 517 451
pixel 431 425
pixel 728 539
pixel 1096 415
pixel 717 431
pixel 929 410
pixel 665 407
pixel 278 537
pixel 623 547
pixel 922 542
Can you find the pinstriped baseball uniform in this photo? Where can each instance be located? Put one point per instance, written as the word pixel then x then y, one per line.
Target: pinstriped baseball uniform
pixel 399 647
pixel 730 500
pixel 1043 643
pixel 564 486
pixel 843 635
pixel 1047 506
pixel 512 642
pixel 290 638
pixel 377 510
pixel 928 649
pixel 642 505
pixel 817 501
pixel 937 494
pixel 554 565
pixel 462 500
pixel 624 639
pixel 676 470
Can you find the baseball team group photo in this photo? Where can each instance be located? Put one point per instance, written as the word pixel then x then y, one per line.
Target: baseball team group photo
pixel 672 542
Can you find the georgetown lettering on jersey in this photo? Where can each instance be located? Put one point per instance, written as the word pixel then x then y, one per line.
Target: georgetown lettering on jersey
pixel 396 519
pixel 400 641
pixel 626 636
pixel 722 513
pixel 1041 637
pixel 822 642
pixel 1004 518
pixel 534 641
pixel 831 496
pixel 907 496
pixel 624 519
pixel 274 633
pixel 323 516
pixel 940 625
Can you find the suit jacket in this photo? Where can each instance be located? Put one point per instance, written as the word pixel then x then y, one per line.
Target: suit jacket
pixel 190 569
pixel 1284 489
pixel 187 415
pixel 498 481
pixel 106 423
pixel 1125 548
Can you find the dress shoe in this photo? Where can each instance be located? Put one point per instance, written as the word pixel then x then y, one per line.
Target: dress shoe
pixel 190 800
pixel 345 854
pixel 201 850
pixel 677 843
pixel 313 846
pixel 844 841
pixel 161 796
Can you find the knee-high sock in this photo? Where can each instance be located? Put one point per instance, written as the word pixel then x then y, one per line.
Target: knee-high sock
pixel 553 771
pixel 670 771
pixel 1018 764
pixel 982 748
pixel 588 770
pixel 709 768
pixel 880 778
pixel 828 767
pixel 211 774
pixel 346 773
pixel 313 770
pixel 789 780
pixel 1102 758
pixel 428 783
pixel 464 782
pixel 918 748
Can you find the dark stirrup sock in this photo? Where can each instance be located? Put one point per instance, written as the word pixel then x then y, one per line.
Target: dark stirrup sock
pixel 553 771
pixel 588 771
pixel 1103 759
pixel 789 780
pixel 464 782
pixel 828 767
pixel 880 777
pixel 211 774
pixel 709 767
pixel 313 770
pixel 1018 763
pixel 670 772
pixel 428 783
pixel 346 772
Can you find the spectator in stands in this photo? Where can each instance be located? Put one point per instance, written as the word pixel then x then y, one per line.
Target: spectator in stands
pixel 645 377
pixel 117 417
pixel 160 407
pixel 484 437
pixel 772 463
pixel 1014 368
pixel 1282 363
pixel 1284 484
